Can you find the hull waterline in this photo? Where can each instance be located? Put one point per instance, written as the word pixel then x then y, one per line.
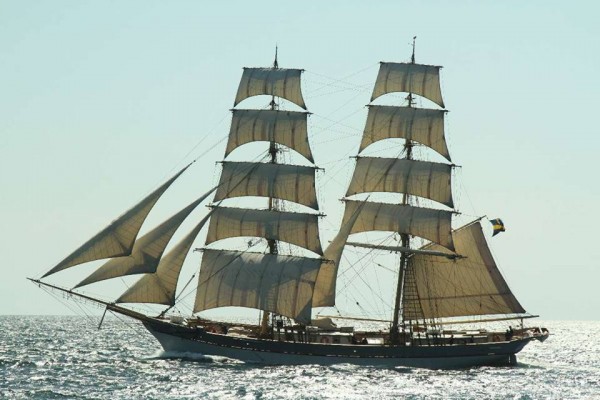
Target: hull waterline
pixel 181 339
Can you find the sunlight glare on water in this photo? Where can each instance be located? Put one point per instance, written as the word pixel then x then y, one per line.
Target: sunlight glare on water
pixel 67 357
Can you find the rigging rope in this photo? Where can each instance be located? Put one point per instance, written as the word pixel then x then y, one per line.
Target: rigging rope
pixel 342 80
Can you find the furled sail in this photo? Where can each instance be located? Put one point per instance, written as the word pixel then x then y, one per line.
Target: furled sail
pixel 280 82
pixel 282 181
pixel 466 286
pixel 287 128
pixel 419 178
pixel 297 228
pixel 428 223
pixel 118 238
pixel 403 249
pixel 422 125
pixel 420 79
pixel 326 280
pixel 147 250
pixel 276 283
pixel 159 287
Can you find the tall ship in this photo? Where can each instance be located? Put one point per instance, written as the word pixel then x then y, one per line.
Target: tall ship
pixel 444 277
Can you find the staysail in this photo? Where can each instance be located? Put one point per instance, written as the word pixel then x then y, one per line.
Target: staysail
pixel 160 287
pixel 118 238
pixel 327 279
pixel 147 251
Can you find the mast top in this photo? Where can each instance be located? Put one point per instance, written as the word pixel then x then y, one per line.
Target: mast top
pixel 275 63
pixel 409 98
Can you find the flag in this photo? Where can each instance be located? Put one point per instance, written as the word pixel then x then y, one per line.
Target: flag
pixel 498 226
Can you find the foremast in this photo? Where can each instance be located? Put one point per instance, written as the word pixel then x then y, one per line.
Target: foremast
pixel 271 281
pixel 272 243
pixel 273 151
pixel 404 238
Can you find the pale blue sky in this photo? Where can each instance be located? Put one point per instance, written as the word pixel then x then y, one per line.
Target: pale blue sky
pixel 101 101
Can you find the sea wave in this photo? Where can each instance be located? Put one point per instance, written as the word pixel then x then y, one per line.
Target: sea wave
pixel 68 357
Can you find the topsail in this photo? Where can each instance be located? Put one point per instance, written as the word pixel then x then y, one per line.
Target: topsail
pixel 419 178
pixel 280 82
pixel 423 80
pixel 294 183
pixel 300 229
pixel 288 128
pixel 422 125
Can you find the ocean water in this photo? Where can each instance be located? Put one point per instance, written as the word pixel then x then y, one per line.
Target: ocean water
pixel 68 358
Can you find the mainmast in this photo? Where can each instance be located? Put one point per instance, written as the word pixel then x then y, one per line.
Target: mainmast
pixel 404 175
pixel 404 237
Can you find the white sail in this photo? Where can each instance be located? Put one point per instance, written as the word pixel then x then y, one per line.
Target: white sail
pixel 326 280
pixel 422 125
pixel 280 82
pixel 159 287
pixel 420 79
pixel 118 238
pixel 471 285
pixel 147 250
pixel 419 178
pixel 276 283
pixel 300 229
pixel 281 181
pixel 287 128
pixel 428 223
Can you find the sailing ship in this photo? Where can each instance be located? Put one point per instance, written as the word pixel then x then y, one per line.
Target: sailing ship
pixel 443 273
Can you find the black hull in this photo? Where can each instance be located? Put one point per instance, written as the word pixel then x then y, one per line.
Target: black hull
pixel 183 339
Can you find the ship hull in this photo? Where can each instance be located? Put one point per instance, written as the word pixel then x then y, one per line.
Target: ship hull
pixel 182 339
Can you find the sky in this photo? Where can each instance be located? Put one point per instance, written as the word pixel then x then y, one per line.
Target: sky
pixel 100 102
